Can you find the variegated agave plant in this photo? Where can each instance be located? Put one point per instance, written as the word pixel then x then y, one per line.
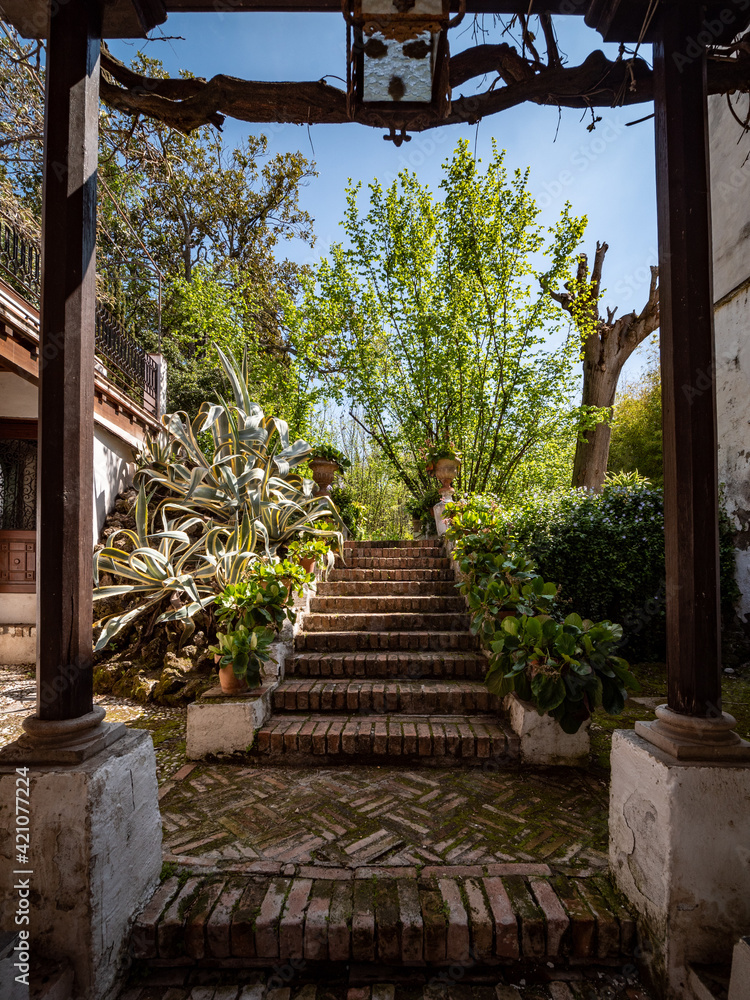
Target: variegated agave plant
pixel 220 507
pixel 245 469
pixel 174 564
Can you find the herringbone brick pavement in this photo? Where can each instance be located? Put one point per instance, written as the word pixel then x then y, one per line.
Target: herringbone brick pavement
pixel 288 983
pixel 245 819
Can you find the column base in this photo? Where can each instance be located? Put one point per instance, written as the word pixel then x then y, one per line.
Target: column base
pixel 688 737
pixel 67 741
pixel 92 856
pixel 678 849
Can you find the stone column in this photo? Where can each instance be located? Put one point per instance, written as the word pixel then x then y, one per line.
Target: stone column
pixel 680 792
pixel 80 831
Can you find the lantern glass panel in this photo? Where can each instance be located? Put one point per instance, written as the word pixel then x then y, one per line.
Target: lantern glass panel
pixel 396 70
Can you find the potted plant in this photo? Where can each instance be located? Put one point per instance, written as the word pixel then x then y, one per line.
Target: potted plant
pixel 565 669
pixel 253 611
pixel 240 654
pixel 420 508
pixel 310 551
pixel 326 460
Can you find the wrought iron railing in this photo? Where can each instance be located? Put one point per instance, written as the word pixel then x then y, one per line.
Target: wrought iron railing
pixel 126 363
pixel 20 259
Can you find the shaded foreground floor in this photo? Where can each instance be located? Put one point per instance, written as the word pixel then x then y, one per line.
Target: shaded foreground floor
pixel 576 986
pixel 232 818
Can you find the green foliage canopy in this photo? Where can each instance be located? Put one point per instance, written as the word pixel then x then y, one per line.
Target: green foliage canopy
pixel 432 323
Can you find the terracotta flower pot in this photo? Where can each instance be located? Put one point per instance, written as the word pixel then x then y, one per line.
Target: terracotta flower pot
pixel 308 565
pixel 446 470
pixel 230 683
pixel 323 473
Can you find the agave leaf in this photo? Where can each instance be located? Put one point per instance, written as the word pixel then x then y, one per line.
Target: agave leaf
pixel 237 382
pixel 114 624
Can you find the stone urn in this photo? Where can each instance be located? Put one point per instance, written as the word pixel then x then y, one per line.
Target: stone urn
pixel 323 472
pixel 445 471
pixel 230 683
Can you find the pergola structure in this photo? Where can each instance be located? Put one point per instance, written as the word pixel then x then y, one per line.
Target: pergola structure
pixel 692 726
pixel 69 228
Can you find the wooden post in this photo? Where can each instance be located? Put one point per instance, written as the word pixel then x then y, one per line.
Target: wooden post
pixel 687 353
pixel 66 408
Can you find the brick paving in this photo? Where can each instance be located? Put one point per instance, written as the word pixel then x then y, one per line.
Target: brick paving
pixel 596 986
pixel 386 917
pixel 228 816
pixel 352 861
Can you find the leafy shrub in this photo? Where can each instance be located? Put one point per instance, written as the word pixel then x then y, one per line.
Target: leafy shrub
pixel 420 508
pixel 606 551
pixel 349 508
pixel 567 669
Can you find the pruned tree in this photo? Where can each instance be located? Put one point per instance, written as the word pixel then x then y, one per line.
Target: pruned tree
pixel 606 344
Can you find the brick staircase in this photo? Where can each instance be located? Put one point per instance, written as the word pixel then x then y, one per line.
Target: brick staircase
pixel 386 918
pixel 386 669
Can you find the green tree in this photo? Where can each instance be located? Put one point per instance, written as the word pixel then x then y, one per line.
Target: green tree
pixel 636 444
pixel 177 210
pixel 432 323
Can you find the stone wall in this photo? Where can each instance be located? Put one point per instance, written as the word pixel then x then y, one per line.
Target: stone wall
pixel 730 201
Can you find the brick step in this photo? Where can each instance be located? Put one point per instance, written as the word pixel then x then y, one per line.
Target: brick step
pixel 385 588
pixel 353 642
pixel 391 604
pixel 399 738
pixel 402 918
pixel 379 622
pixel 411 697
pixel 414 556
pixel 398 562
pixel 410 664
pixel 385 543
pixel 349 573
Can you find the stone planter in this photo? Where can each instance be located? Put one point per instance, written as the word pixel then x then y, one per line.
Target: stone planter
pixel 445 471
pixel 323 473
pixel 416 527
pixel 542 739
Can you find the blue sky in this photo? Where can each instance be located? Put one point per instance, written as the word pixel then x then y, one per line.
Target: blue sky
pixel 607 174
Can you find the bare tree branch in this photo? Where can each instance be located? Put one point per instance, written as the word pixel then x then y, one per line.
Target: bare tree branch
pixel 186 104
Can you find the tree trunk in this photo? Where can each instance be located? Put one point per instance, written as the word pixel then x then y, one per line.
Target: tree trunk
pixel 605 350
pixel 592 447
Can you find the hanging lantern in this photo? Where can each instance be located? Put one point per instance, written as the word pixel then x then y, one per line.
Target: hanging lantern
pixel 398 59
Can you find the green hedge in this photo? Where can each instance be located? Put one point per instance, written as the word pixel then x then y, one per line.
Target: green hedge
pixel 607 552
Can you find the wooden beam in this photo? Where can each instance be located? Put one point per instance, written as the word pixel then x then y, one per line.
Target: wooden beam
pixel 121 18
pixel 66 397
pixel 687 351
pixel 575 7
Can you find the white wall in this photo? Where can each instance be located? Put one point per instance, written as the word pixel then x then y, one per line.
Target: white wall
pixel 113 471
pixel 730 205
